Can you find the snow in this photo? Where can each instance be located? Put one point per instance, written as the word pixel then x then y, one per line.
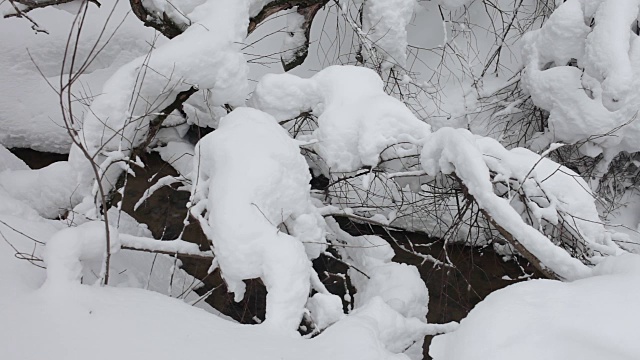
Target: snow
pixel 167 246
pixel 244 209
pixel 356 119
pixel 205 56
pixel 68 247
pixel 593 318
pixel 379 281
pixel 27 237
pixel 385 23
pixel 598 100
pixel 450 150
pixel 250 187
pixel 71 320
pixel 179 154
pixel 50 190
pixel 29 106
pixel 8 161
pixel 570 197
pixel 325 309
pixel 294 43
pixel 136 323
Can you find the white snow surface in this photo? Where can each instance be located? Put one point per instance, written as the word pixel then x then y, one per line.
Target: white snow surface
pixel 457 150
pixel 378 279
pixel 589 319
pixel 50 190
pixel 385 24
pixel 68 247
pixel 250 177
pixel 357 120
pixel 8 161
pixel 599 100
pixel 179 154
pixel 20 276
pixel 72 324
pixel 325 309
pixel 206 56
pixel 29 107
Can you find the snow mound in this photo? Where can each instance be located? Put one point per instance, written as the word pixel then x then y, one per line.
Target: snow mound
pixel 356 119
pixel 8 161
pixel 50 191
pixel 249 178
pixel 380 281
pixel 25 237
pixel 29 105
pixel 589 319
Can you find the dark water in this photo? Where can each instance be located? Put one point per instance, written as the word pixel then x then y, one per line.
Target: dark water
pixel 452 292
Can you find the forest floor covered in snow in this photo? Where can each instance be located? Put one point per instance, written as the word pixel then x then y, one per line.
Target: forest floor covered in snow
pixel 531 320
pixel 184 196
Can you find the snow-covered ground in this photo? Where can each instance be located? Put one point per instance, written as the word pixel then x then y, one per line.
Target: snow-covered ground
pixel 589 319
pixel 249 180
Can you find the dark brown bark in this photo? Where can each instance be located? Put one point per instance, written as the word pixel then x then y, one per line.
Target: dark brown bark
pixel 156 123
pixel 163 23
pixel 308 12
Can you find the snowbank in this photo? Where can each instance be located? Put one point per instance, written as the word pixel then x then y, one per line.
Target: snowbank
pixel 590 319
pixel 114 323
